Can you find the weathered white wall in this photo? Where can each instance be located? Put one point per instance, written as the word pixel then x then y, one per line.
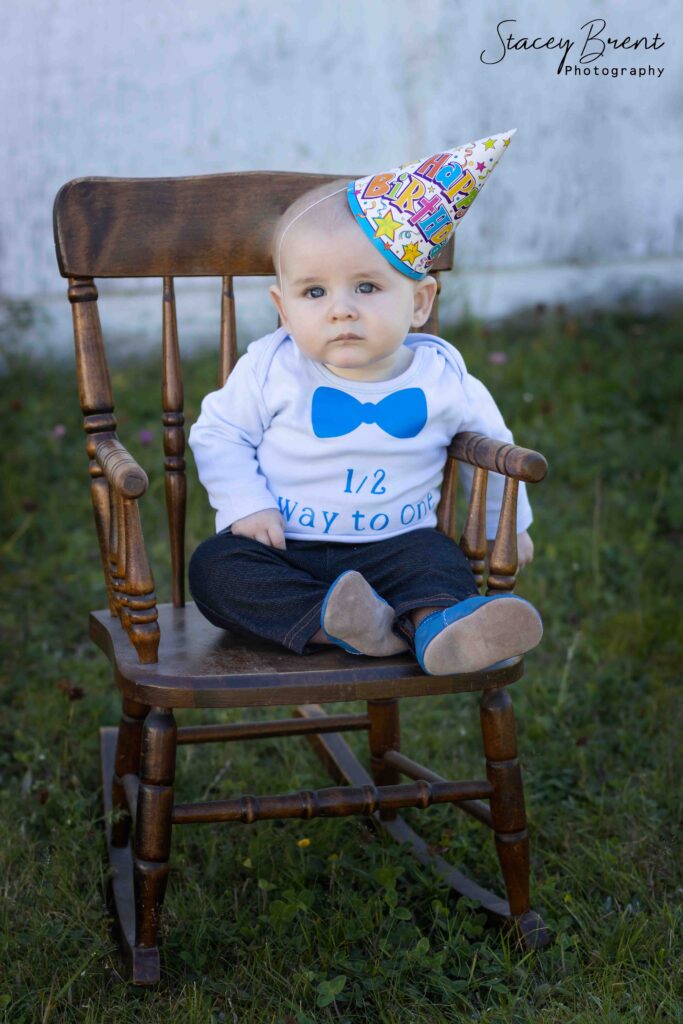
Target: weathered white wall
pixel 587 205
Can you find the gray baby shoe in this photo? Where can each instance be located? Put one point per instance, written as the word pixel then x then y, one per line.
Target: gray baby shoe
pixel 356 618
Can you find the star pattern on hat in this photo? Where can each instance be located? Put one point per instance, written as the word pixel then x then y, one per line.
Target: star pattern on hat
pixel 387 225
pixel 410 212
pixel 411 252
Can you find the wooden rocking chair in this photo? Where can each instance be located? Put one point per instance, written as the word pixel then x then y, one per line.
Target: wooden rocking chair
pixel 168 656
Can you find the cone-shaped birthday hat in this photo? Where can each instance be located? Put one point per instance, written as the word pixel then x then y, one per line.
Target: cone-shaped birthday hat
pixel 410 212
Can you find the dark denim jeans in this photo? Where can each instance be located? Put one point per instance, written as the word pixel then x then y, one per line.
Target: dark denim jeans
pixel 245 586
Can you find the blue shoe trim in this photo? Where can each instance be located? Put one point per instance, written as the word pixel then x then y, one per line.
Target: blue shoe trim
pixel 433 624
pixel 336 639
pixel 342 644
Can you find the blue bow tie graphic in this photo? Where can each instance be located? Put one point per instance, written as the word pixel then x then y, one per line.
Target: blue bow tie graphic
pixel 402 414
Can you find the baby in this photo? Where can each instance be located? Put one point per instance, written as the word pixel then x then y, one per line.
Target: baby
pixel 323 455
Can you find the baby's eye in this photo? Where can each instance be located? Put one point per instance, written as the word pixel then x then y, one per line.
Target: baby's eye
pixel 315 292
pixel 367 287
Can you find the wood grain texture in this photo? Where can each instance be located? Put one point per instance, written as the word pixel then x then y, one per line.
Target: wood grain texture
pixel 503 562
pixel 101 501
pixel 134 586
pixel 384 735
pixel 227 733
pixel 92 372
pixel 473 540
pixel 227 356
pixel 212 225
pixel 202 666
pixel 142 964
pixel 121 470
pixel 407 766
pixel 446 510
pixel 330 803
pixel 499 457
pixel 175 483
pixel 507 800
pixel 127 762
pixel 153 822
pixel 97 404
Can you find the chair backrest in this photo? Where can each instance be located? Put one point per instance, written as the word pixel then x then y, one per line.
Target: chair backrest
pixel 214 225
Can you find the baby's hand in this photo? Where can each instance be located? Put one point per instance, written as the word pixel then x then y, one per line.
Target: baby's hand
pixel 265 526
pixel 525 549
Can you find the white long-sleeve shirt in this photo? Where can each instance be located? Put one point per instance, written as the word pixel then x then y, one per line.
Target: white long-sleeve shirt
pixel 343 460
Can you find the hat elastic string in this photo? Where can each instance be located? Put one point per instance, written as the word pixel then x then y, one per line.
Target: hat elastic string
pixel 278 260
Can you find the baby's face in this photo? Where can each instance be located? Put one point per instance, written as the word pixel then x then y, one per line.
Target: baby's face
pixel 344 304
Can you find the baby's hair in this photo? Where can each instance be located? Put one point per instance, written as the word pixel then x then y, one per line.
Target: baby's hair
pixel 325 206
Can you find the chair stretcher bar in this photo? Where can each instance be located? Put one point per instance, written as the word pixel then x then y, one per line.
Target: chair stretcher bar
pixel 262 730
pixel 337 801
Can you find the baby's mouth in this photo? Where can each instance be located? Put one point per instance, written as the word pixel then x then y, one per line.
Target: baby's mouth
pixel 347 337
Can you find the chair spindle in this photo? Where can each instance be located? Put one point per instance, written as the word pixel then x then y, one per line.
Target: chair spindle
pixel 503 562
pixel 99 490
pixel 473 540
pixel 228 348
pixel 174 443
pixel 137 599
pixel 445 513
pixel 116 569
pixel 97 404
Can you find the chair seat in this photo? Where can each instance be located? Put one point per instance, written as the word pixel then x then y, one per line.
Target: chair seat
pixel 202 666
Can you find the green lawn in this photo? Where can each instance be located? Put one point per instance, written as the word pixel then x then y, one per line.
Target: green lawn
pixel 258 928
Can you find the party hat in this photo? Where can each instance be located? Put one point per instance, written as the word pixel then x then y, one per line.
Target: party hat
pixel 410 212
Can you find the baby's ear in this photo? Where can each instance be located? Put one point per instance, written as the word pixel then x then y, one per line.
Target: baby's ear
pixel 423 300
pixel 276 296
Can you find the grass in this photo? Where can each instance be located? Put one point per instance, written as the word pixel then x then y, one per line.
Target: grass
pixel 259 927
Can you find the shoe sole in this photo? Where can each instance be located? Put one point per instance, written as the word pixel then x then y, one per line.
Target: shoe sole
pixel 359 619
pixel 493 632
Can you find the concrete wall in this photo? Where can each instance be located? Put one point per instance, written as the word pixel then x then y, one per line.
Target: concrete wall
pixel 586 207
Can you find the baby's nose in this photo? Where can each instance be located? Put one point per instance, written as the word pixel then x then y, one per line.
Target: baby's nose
pixel 343 308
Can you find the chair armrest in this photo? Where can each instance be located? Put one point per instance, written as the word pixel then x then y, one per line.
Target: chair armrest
pixel 498 457
pixel 131 583
pixel 517 465
pixel 120 469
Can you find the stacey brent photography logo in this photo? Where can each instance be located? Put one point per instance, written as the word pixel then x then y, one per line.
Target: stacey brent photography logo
pixel 581 56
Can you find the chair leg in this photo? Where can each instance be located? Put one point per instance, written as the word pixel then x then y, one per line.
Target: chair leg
pixel 507 802
pixel 153 823
pixel 127 763
pixel 384 734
